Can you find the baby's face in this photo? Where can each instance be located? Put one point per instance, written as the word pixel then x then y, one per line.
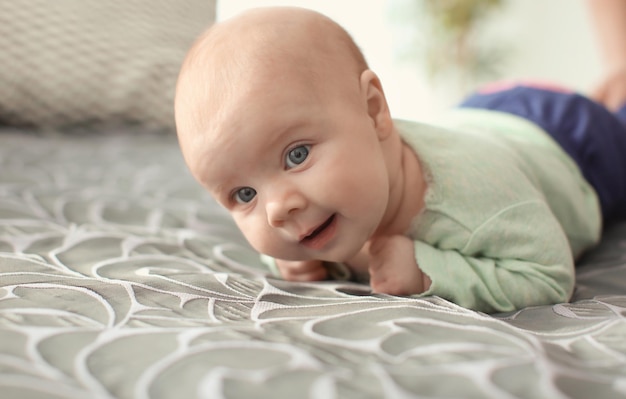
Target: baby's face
pixel 302 173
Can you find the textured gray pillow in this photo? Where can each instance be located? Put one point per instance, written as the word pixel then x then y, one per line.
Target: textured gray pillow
pixel 69 62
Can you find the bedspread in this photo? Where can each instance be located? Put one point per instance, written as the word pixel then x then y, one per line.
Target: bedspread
pixel 121 278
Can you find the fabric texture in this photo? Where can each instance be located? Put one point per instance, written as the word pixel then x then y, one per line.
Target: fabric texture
pixel 594 137
pixel 121 278
pixel 72 62
pixel 497 187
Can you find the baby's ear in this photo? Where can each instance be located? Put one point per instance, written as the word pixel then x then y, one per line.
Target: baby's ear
pixel 377 108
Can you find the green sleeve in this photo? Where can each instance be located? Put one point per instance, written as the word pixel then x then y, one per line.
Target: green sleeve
pixel 518 258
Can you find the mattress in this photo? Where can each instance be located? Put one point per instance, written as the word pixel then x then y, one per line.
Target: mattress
pixel 121 278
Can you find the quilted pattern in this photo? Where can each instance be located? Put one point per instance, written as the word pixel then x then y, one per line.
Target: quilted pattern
pixel 69 62
pixel 121 278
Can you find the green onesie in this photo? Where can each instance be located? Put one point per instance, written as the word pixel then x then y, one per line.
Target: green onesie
pixel 506 211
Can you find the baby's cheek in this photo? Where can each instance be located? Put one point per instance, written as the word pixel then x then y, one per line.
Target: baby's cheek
pixel 261 239
pixel 254 235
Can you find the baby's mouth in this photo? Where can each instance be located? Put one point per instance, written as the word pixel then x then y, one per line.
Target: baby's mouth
pixel 318 236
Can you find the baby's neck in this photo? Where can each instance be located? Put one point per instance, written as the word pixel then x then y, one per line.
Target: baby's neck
pixel 406 194
pixel 406 201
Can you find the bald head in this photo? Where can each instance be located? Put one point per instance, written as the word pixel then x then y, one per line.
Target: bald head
pixel 277 45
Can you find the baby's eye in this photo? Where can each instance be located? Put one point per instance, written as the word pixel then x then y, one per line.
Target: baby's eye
pixel 245 195
pixel 297 155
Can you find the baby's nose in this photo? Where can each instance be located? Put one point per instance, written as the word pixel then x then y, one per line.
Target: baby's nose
pixel 280 208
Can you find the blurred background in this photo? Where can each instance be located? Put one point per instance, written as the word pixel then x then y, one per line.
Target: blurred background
pixel 78 62
pixel 428 54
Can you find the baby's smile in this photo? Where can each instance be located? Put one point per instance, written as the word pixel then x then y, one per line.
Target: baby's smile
pixel 321 235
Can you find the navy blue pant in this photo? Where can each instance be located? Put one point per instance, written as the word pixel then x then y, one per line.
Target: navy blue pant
pixel 591 134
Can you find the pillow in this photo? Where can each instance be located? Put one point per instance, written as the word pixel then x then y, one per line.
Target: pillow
pixel 76 62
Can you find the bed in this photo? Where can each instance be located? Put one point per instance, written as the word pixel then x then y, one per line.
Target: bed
pixel 121 278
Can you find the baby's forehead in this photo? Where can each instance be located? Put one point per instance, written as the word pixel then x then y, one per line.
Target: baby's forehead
pixel 217 84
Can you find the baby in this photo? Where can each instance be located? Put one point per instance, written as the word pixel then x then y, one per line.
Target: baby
pixel 281 120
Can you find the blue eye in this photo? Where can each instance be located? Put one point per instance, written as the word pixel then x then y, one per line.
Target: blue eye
pixel 297 155
pixel 245 195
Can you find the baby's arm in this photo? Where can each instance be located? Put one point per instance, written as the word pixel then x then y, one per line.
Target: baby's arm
pixel 520 257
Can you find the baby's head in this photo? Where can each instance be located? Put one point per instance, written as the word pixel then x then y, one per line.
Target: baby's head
pixel 280 119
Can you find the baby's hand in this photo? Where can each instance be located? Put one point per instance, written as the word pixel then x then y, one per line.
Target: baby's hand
pixel 306 270
pixel 393 268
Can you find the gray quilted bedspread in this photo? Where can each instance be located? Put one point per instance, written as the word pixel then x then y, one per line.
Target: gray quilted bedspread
pixel 120 278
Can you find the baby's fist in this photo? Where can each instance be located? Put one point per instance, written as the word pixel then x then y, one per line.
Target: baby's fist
pixel 305 270
pixel 393 268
